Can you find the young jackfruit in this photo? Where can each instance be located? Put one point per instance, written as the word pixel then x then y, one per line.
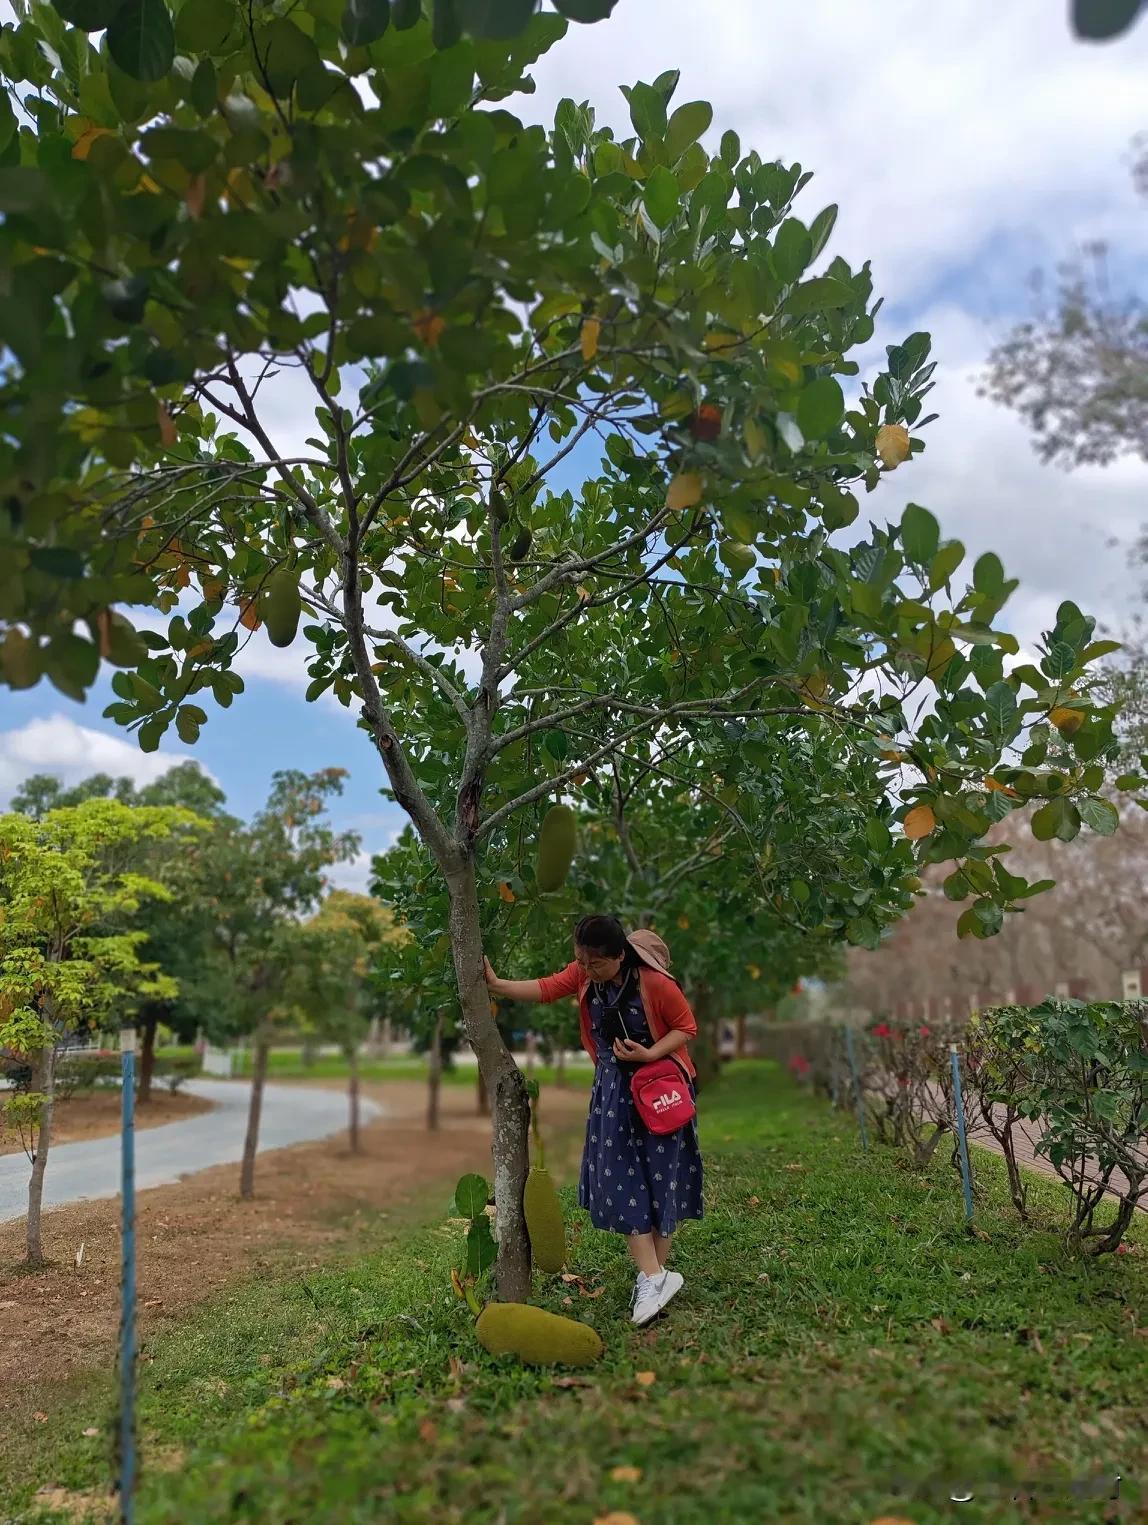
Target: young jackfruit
pixel 536 1337
pixel 556 843
pixel 544 1221
pixel 279 606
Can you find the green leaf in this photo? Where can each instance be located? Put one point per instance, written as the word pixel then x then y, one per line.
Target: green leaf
pixel 988 575
pixel 648 113
pixel 686 126
pixel 557 744
pixel 1100 20
pixel 141 39
pixel 471 1196
pixel 88 15
pixel 195 151
pixel 24 190
pixel 1001 712
pixel 821 294
pixel 481 1250
pixel 57 561
pixel 286 55
pixel 661 196
pixel 862 932
pixel 792 250
pixel 945 563
pixel 820 407
pixel 446 25
pixel 584 10
pixel 730 147
pixel 1101 815
pixel 1058 819
pixel 203 26
pixel 821 229
pixel 365 21
pixel 877 834
pixel 920 534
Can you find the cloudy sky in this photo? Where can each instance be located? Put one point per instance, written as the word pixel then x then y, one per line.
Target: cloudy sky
pixel 965 144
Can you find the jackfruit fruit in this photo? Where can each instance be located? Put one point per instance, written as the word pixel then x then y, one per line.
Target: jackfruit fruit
pixel 279 606
pixel 536 1337
pixel 556 843
pixel 499 507
pixel 544 1222
pixel 521 543
pixel 406 14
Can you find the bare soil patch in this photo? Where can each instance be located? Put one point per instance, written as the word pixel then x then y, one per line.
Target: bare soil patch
pixel 197 1236
pixel 97 1115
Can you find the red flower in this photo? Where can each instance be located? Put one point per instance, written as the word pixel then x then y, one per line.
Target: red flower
pixel 902 1080
pixel 924 1031
pixel 882 1030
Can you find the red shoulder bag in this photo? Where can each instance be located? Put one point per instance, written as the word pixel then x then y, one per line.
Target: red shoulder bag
pixel 661 1092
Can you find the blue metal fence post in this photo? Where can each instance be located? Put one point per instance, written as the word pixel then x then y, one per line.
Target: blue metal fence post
pixel 127 1429
pixel 858 1098
pixel 962 1138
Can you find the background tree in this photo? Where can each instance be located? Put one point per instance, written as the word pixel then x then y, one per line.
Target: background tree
pixel 69 888
pixel 330 960
pixel 481 308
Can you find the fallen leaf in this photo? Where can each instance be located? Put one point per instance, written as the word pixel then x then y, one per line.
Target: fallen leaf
pixel 591 1291
pixel 428 1432
pixel 336 1384
pixel 456 1405
pixel 626 1474
pixel 755 1201
pixel 591 328
pixel 891 1519
pixel 568 1302
pixel 892 445
pixel 645 1378
pixel 1091 1430
pixel 40 1417
pixel 920 822
pixel 582 1382
pixel 942 1325
pixel 615 1517
pixel 91 1431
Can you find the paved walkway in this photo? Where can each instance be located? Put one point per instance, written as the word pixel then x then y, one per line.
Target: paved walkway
pixel 1026 1136
pixel 84 1171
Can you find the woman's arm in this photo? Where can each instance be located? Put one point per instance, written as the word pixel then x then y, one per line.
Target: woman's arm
pixel 627 1049
pixel 512 990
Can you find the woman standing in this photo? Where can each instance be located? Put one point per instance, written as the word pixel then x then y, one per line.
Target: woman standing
pixel 632 1012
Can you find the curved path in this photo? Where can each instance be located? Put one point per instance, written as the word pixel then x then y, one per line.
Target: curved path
pixel 80 1172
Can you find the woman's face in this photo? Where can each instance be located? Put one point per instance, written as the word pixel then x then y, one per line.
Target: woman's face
pixel 599 966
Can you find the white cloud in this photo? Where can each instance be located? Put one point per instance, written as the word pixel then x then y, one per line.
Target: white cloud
pixel 71 752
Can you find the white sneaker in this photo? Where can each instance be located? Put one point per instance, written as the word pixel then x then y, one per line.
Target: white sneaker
pixel 652 1293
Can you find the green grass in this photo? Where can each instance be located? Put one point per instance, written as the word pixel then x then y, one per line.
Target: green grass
pixel 842 1350
pixel 289 1064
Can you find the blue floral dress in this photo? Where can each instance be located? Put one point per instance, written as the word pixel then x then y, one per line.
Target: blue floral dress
pixel 633 1181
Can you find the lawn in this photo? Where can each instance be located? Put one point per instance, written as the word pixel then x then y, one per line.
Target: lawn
pixel 843 1351
pixel 289 1064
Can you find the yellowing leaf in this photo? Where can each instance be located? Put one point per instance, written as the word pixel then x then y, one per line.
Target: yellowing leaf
pixel 645 1378
pixel 920 822
pixel 168 432
pixel 893 756
pixel 718 339
pixel 684 491
pixel 684 922
pixel 893 445
pixel 195 196
pixel 591 328
pixel 753 971
pixel 248 618
pixel 755 440
pixel 429 326
pixel 995 786
pixel 83 144
pixel 506 893
pixel 1065 720
pixel 626 1475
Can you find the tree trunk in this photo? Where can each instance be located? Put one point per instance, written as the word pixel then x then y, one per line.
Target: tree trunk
pixel 372 1044
pixel 387 1038
pixel 560 1066
pixel 251 1142
pixel 482 1099
pixel 353 1095
pixel 147 1057
pixel 741 1037
pixel 505 1085
pixel 434 1075
pixel 44 1082
pixel 309 1051
pixel 531 1052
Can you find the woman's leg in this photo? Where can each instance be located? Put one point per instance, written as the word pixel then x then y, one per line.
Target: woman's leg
pixel 662 1243
pixel 643 1252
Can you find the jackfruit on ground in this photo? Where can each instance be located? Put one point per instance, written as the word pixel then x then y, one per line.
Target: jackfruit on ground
pixel 536 1337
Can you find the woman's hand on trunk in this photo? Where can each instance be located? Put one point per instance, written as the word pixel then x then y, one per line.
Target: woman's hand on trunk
pixel 492 980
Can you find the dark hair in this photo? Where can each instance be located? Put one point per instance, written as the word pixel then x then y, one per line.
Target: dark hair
pixel 607 936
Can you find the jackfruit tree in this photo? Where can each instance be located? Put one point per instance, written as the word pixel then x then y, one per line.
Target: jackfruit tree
pixel 564 384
